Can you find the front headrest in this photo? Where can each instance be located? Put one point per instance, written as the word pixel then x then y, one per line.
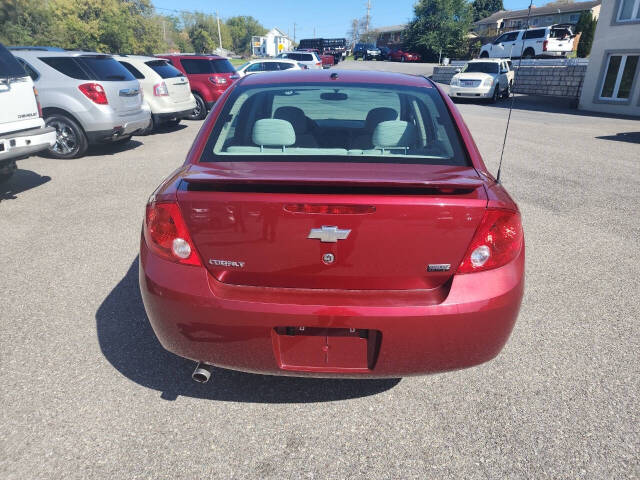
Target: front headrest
pixel 377 115
pixel 295 116
pixel 273 132
pixel 394 133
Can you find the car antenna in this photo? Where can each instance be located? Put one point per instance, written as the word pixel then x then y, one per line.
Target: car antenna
pixel 513 96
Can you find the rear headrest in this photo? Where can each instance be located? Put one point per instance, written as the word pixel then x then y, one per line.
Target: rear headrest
pixel 377 115
pixel 393 134
pixel 273 132
pixel 295 116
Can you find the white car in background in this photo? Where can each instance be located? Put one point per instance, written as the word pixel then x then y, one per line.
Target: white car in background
pixel 490 78
pixel 166 90
pixel 552 41
pixel 22 130
pixel 310 59
pixel 267 65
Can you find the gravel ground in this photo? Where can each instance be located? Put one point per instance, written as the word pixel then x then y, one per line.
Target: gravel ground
pixel 89 393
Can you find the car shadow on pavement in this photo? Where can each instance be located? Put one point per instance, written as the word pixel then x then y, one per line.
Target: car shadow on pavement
pixel 20 181
pixel 112 148
pixel 629 137
pixel 130 345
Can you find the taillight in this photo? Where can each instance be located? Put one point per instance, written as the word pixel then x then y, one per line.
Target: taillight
pixel 497 241
pixel 35 92
pixel 319 63
pixel 218 80
pixel 94 92
pixel 160 90
pixel 167 236
pixel 544 45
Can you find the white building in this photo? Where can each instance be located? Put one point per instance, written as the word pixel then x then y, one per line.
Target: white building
pixel 612 81
pixel 269 45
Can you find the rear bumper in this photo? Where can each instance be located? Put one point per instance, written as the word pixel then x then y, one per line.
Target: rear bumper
pixel 18 145
pixel 197 317
pixel 165 117
pixel 126 127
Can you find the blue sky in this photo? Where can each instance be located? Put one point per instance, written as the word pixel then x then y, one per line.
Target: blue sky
pixel 330 18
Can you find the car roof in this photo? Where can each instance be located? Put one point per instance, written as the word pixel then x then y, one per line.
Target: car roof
pixel 55 53
pixel 272 60
pixel 488 60
pixel 140 58
pixel 191 55
pixel 343 76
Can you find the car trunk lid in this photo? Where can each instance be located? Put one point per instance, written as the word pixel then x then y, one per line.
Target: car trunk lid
pixel 385 227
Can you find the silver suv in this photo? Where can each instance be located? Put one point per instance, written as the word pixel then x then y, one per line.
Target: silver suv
pixel 87 97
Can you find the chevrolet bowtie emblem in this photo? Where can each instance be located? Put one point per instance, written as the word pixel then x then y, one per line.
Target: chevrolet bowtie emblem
pixel 328 234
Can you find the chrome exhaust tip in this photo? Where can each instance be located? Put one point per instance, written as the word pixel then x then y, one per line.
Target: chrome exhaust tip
pixel 202 373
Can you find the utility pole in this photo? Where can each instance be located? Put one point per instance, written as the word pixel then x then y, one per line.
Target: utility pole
pixel 219 32
pixel 294 32
pixel 368 17
pixel 314 32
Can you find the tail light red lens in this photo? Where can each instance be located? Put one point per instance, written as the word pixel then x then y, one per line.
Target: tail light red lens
pixel 35 92
pixel 167 236
pixel 497 241
pixel 218 80
pixel 94 92
pixel 160 90
pixel 544 45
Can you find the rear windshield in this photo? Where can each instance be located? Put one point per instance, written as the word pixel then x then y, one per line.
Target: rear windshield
pixel 9 66
pixel 300 57
pixel 202 65
pixel 164 69
pixel 481 67
pixel 324 123
pixel 104 68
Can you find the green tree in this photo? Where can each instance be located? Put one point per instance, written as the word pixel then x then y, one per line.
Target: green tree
pixel 586 26
pixel 485 8
pixel 201 40
pixel 440 25
pixel 241 29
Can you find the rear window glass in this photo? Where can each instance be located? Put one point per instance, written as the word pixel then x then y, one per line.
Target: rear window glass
pixel 9 66
pixel 322 122
pixel 105 68
pixel 134 71
pixel 539 33
pixel 300 57
pixel 164 69
pixel 201 65
pixel 67 66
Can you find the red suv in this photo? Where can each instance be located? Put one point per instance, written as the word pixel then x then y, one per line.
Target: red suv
pixel 209 76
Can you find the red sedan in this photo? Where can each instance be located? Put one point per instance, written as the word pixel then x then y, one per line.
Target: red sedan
pixel 402 56
pixel 332 224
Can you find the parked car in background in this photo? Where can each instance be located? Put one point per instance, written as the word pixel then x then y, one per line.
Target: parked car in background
pixel 22 129
pixel 276 248
pixel 366 51
pixel 209 76
pixel 167 92
pixel 484 78
pixel 552 41
pixel 327 60
pixel 87 97
pixel 267 65
pixel 400 55
pixel 384 53
pixel 310 59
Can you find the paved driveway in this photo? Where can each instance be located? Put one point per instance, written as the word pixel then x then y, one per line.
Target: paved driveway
pixel 87 391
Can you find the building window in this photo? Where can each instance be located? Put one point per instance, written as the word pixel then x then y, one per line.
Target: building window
pixel 619 76
pixel 629 10
pixel 574 18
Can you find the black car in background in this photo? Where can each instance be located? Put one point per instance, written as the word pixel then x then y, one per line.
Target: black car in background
pixel 366 51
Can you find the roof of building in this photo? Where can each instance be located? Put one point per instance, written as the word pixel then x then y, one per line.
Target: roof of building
pixel 548 9
pixel 391 28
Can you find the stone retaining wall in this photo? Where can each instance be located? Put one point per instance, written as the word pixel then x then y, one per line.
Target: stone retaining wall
pixel 557 81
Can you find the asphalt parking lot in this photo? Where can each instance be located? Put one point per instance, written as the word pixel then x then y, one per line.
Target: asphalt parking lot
pixel 88 392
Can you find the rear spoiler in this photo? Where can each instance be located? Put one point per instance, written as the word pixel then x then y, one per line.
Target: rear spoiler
pixel 329 186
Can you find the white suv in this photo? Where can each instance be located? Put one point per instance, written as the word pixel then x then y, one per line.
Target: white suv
pixel 490 78
pixel 553 41
pixel 309 59
pixel 87 97
pixel 166 90
pixel 22 130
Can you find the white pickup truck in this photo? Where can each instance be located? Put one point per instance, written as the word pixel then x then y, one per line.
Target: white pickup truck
pixel 552 41
pixel 22 130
